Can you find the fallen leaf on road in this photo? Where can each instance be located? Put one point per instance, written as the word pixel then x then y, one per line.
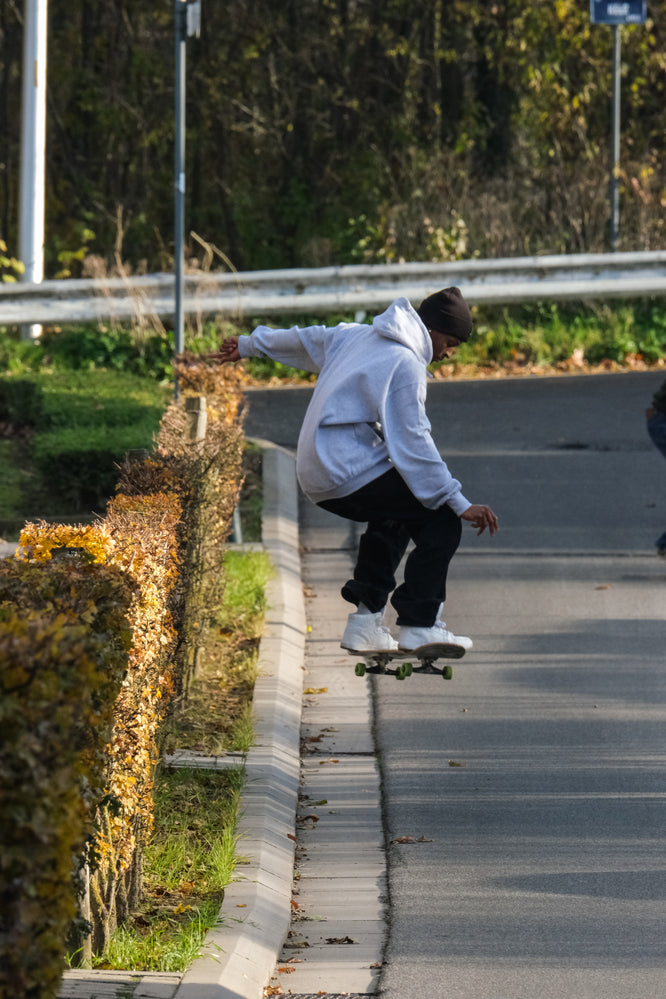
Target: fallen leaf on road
pixel 316 690
pixel 454 763
pixel 340 940
pixel 286 971
pixel 411 839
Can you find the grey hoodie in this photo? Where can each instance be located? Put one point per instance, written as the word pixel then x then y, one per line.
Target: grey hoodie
pixel 371 378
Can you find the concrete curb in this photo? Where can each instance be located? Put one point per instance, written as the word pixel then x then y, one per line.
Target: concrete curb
pixel 238 958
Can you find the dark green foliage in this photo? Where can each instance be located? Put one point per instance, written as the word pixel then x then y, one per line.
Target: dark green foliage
pixel 63 654
pixel 84 423
pixel 21 402
pixel 303 120
pixel 117 349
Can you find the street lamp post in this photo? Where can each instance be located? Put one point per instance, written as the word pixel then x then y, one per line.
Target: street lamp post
pixel 187 22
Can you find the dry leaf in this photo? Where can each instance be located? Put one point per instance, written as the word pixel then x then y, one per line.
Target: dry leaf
pixel 316 690
pixel 411 839
pixel 454 763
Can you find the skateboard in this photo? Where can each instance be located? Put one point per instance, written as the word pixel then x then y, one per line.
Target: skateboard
pixel 427 655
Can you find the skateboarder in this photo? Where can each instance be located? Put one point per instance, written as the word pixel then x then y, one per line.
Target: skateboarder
pixel 656 426
pixel 365 452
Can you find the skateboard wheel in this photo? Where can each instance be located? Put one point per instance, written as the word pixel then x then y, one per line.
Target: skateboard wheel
pixel 447 672
pixel 408 668
pixel 360 669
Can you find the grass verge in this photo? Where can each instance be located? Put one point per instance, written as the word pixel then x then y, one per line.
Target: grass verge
pixel 188 864
pixel 216 717
pixel 192 854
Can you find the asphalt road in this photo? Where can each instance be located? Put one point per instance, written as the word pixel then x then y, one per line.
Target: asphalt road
pixel 533 783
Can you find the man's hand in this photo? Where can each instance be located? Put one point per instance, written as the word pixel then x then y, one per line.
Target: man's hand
pixel 228 351
pixel 481 517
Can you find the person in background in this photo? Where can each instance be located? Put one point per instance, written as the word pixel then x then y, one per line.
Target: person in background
pixel 656 427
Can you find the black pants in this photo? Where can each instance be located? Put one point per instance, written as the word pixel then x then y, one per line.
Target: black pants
pixel 394 517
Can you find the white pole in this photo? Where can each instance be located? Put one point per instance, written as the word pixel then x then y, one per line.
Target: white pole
pixel 33 147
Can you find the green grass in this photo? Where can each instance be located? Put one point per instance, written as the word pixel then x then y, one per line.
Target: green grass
pixel 216 717
pixel 244 603
pixel 188 864
pixel 548 334
pixel 159 948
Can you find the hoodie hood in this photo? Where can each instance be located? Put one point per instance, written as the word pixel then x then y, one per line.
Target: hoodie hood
pixel 402 323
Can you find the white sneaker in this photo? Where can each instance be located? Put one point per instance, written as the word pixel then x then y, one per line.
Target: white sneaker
pixel 367 633
pixel 412 638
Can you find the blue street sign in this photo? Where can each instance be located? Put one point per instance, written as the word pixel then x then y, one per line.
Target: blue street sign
pixel 618 11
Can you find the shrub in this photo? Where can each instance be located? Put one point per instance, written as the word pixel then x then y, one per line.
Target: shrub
pixel 64 644
pixel 106 658
pixel 21 402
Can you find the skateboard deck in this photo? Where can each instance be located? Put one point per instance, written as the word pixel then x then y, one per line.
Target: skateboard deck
pixel 379 663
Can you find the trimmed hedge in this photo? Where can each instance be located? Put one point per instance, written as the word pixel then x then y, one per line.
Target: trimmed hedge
pixel 64 642
pixel 109 635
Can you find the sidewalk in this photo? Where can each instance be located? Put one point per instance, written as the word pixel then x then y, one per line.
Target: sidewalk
pixel 310 911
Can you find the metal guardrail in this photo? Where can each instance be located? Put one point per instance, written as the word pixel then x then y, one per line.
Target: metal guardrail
pixel 337 289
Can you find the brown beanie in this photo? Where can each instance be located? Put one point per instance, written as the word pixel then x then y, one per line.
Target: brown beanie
pixel 446 312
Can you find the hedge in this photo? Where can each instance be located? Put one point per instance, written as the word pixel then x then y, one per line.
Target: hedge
pixel 82 728
pixel 64 646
